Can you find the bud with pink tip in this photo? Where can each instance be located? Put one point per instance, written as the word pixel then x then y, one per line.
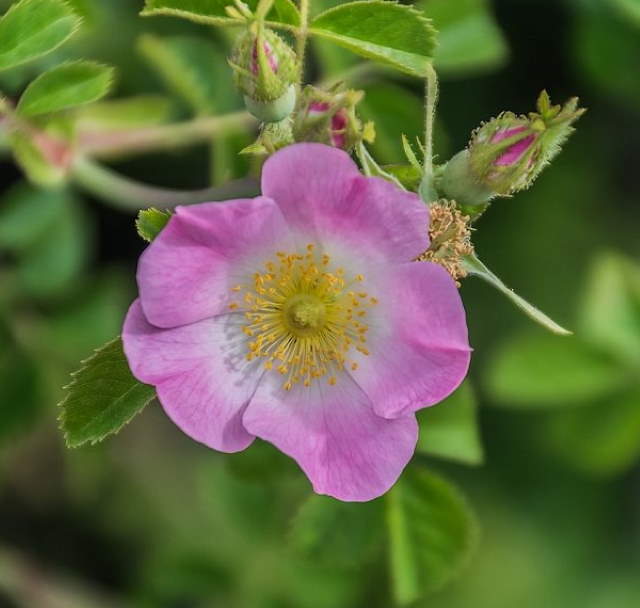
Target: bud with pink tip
pixel 330 118
pixel 264 69
pixel 506 154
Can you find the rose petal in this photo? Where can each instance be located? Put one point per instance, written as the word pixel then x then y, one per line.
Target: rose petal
pixel 200 372
pixel 418 343
pixel 186 273
pixel 332 432
pixel 323 195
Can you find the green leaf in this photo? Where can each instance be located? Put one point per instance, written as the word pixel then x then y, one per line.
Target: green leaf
pixel 329 531
pixel 129 113
pixel 601 440
pixel 212 12
pixel 476 268
pixel 432 533
pixel 450 429
pixel 66 86
pixel 629 8
pixel 469 39
pixel 610 308
pixel 32 28
pixel 393 34
pixel 102 397
pixel 25 215
pixel 150 222
pixel 193 68
pixel 58 256
pixel 540 370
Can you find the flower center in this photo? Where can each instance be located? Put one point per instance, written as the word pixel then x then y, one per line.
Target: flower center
pixel 304 317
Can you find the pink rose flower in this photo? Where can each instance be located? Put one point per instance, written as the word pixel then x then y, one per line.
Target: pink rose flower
pixel 298 317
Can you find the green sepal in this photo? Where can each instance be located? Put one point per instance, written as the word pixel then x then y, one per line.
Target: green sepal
pixel 150 223
pixel 476 268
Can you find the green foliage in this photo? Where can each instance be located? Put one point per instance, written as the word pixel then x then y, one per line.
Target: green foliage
pixel 332 532
pixel 605 49
pixel 610 310
pixel 395 111
pixel 32 28
pixel 48 234
pixel 129 113
pixel 212 12
pixel 25 216
pixel 432 533
pixel 20 391
pixel 66 86
pixel 602 439
pixel 150 222
pixel 469 39
pixel 390 33
pixel 102 397
pixel 540 370
pixel 450 428
pixel 628 8
pixel 194 69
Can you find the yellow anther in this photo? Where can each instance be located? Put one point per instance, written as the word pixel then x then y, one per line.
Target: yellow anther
pixel 301 317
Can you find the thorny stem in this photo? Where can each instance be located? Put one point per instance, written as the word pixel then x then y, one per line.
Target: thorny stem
pixel 130 195
pixel 302 35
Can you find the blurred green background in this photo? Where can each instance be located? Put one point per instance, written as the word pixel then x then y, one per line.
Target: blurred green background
pixel 151 519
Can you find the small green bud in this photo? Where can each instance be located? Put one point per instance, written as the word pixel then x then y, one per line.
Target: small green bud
pixel 508 153
pixel 265 70
pixel 330 118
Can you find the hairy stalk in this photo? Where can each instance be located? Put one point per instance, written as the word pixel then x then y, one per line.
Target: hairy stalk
pixel 431 103
pixel 130 195
pixel 136 141
pixel 302 34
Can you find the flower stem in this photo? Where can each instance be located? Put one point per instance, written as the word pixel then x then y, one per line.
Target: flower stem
pixel 431 103
pixel 302 34
pixel 129 195
pixel 165 137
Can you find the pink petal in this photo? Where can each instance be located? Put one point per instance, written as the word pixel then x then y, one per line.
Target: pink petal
pixel 200 373
pixel 323 195
pixel 421 353
pixel 331 431
pixel 186 273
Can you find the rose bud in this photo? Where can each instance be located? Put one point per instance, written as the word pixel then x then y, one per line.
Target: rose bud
pixel 264 68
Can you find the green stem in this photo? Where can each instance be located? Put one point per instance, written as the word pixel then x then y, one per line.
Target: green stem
pixel 431 103
pixel 302 35
pixel 130 195
pixel 165 137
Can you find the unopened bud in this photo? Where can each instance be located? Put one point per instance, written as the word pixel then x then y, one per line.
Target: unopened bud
pixel 330 118
pixel 508 153
pixel 264 69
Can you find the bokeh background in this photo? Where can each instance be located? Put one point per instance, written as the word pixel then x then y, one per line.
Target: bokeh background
pixel 150 519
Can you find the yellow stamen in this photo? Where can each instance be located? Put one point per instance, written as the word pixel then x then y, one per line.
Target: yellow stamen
pixel 300 316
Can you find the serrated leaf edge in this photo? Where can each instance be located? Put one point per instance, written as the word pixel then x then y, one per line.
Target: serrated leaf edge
pixel 61 417
pixel 78 22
